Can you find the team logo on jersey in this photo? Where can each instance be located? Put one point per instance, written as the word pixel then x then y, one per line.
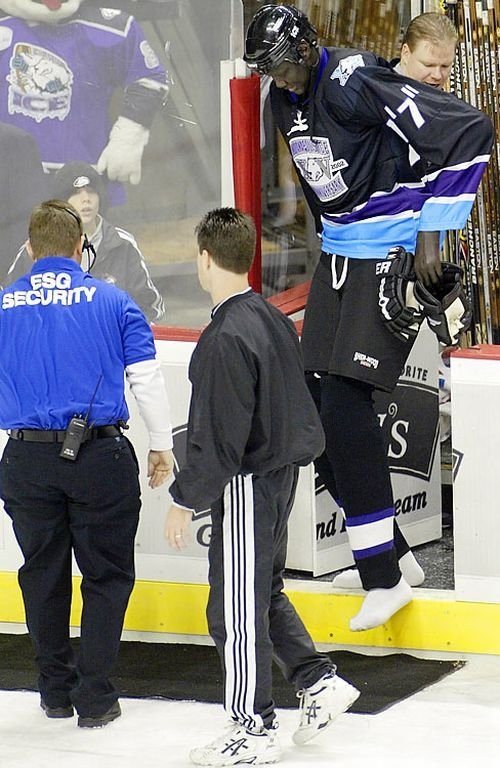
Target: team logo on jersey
pixel 299 123
pixel 40 83
pixel 314 160
pixel 109 13
pixel 346 67
pixel 151 60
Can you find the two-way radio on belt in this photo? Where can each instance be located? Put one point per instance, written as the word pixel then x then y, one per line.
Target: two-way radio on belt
pixel 77 431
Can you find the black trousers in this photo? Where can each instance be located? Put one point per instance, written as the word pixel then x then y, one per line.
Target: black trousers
pixel 250 619
pixel 89 508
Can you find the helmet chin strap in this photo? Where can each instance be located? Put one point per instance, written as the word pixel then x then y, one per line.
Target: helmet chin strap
pixel 312 65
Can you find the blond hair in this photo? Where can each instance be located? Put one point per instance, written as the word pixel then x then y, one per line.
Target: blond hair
pixel 434 27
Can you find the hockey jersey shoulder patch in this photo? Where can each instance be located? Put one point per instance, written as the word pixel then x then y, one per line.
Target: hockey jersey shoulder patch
pixel 346 67
pixel 107 18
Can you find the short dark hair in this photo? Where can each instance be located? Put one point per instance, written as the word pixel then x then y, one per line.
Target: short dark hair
pixel 229 236
pixel 55 229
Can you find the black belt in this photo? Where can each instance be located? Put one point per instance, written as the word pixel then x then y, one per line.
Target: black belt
pixel 58 435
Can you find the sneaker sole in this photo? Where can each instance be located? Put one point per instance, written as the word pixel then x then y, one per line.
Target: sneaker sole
pixel 273 755
pixel 302 737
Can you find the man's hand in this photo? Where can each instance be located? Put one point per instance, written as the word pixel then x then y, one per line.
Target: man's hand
pixel 427 262
pixel 160 467
pixel 178 527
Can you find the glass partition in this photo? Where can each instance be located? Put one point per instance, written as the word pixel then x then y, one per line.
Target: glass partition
pixel 132 91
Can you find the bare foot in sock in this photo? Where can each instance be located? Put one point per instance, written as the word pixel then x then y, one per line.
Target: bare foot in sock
pixel 379 605
pixel 411 570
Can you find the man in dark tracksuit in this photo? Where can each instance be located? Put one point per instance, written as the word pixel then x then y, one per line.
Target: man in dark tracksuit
pixel 252 423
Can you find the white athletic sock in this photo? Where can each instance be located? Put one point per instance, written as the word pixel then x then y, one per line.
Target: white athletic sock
pixel 410 569
pixel 379 605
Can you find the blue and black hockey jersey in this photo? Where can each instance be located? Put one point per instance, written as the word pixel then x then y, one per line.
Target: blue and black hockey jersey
pixel 379 156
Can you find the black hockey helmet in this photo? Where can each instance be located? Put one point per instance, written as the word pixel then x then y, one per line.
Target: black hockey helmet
pixel 274 35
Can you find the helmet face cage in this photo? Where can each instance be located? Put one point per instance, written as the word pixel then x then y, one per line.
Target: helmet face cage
pixel 274 35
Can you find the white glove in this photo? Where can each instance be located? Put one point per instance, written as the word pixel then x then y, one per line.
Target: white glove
pixel 122 156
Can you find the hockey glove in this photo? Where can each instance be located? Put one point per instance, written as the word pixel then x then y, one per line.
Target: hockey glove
pixel 122 156
pixel 400 311
pixel 445 304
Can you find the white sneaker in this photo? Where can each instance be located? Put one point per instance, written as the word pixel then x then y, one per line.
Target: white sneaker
pixel 321 704
pixel 239 746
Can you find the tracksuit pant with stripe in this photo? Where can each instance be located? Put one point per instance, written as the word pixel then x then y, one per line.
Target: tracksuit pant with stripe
pixel 250 619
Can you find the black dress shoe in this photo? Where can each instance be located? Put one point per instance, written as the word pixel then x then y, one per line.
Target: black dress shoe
pixel 56 712
pixel 102 720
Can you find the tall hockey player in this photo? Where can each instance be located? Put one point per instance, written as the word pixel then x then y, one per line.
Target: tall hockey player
pixel 252 423
pixel 60 63
pixel 383 161
pixel 427 55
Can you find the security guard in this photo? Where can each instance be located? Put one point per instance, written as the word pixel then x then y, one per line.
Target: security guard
pixel 68 475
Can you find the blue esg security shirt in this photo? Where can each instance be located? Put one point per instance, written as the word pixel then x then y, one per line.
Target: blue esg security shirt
pixel 65 335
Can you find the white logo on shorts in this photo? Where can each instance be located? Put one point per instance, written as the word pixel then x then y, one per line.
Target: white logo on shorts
pixel 365 360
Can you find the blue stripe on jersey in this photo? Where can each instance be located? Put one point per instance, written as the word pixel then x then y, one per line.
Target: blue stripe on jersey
pixel 370 239
pixel 394 218
pixel 457 180
pixel 437 210
pixel 400 200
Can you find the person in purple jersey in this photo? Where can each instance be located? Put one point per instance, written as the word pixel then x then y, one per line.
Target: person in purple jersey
pixel 384 161
pixel 69 478
pixel 61 63
pixel 252 424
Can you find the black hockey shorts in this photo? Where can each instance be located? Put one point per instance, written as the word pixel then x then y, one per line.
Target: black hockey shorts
pixel 343 331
